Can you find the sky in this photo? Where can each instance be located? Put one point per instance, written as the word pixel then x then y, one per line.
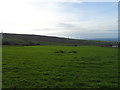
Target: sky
pixel 77 19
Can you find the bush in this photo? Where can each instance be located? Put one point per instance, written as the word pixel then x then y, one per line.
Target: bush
pixel 5 43
pixel 37 44
pixel 60 51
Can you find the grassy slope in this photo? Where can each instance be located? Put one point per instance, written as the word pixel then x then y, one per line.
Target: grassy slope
pixel 21 39
pixel 40 67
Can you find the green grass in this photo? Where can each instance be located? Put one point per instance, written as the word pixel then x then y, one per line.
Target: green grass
pixel 41 67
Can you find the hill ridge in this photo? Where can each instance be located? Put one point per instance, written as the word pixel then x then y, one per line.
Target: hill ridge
pixel 32 39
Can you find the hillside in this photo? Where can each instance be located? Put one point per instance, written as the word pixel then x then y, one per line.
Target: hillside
pixel 27 39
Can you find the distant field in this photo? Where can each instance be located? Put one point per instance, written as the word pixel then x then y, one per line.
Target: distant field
pixel 60 67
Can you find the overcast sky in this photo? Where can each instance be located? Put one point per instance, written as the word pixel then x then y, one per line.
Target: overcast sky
pixel 63 18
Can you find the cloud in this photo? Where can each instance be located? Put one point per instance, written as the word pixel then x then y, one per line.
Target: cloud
pixel 112 30
pixel 68 1
pixel 115 4
pixel 66 25
pixel 53 18
pixel 76 1
pixel 17 15
pixel 97 25
pixel 100 0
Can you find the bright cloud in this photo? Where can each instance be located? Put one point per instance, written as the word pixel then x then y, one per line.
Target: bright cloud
pixel 57 17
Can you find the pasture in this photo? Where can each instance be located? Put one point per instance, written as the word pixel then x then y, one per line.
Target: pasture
pixel 59 67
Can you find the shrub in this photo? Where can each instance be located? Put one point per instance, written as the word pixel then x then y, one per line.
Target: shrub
pixel 60 51
pixel 37 44
pixel 5 43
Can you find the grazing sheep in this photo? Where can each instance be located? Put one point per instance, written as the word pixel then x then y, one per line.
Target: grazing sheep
pixel 72 52
pixel 59 51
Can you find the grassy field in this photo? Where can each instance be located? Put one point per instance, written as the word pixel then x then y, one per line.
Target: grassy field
pixel 60 67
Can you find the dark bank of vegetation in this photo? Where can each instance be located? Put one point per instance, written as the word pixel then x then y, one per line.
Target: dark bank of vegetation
pixel 30 40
